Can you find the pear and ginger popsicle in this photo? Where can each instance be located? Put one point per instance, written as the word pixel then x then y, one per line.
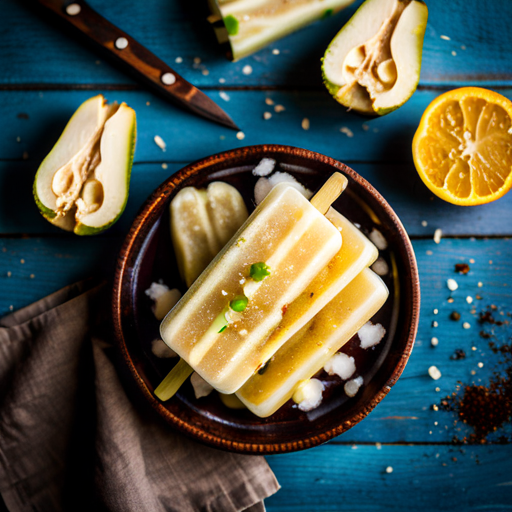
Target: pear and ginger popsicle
pixel 240 298
pixel 305 353
pixel 357 253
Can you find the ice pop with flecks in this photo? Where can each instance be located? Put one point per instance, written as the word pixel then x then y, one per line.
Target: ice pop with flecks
pixel 220 325
pixel 305 353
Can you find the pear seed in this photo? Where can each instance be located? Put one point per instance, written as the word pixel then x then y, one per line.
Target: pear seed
pixel 387 71
pixel 355 57
pixel 62 181
pixel 92 194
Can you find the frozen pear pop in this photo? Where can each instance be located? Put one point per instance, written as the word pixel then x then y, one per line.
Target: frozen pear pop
pixel 221 324
pixel 308 350
pixel 202 222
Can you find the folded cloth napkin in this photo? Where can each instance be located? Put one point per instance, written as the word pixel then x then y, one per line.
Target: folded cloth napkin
pixel 71 439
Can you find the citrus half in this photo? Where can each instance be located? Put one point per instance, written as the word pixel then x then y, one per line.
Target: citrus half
pixel 463 146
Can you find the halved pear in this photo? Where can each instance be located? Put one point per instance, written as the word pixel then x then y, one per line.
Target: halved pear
pixel 373 64
pixel 249 25
pixel 82 185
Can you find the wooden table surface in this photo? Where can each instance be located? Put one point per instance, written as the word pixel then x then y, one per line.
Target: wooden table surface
pixel 45 74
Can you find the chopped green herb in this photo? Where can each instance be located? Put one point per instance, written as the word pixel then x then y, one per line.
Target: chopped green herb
pixel 328 13
pixel 223 329
pixel 231 25
pixel 239 303
pixel 241 240
pixel 259 271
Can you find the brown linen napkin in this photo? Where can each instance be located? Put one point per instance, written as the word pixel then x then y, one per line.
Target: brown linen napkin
pixel 70 438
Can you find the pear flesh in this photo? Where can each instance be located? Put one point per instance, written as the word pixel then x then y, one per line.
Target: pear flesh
pixel 373 64
pixel 82 185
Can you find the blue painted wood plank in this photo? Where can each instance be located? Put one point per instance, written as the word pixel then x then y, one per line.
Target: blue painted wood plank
pixel 399 184
pixel 406 414
pixel 424 478
pixel 34 50
pixel 189 137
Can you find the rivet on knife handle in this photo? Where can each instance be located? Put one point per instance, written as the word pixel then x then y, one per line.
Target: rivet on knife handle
pixel 138 59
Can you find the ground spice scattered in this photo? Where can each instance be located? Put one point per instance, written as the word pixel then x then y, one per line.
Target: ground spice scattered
pixel 458 354
pixel 485 408
pixel 462 268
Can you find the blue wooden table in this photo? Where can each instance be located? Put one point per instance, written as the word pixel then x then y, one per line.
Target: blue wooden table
pixel 45 75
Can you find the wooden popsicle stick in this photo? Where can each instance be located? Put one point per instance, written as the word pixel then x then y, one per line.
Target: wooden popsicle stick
pixel 331 190
pixel 175 378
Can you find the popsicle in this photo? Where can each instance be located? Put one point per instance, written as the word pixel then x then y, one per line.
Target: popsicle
pixel 356 253
pixel 202 222
pixel 306 352
pixel 220 325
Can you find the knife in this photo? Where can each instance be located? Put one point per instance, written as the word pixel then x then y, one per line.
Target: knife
pixel 147 66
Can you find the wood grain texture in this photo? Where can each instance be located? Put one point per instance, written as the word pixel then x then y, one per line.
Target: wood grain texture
pixel 188 138
pixel 441 478
pixel 46 54
pixel 406 414
pixel 399 184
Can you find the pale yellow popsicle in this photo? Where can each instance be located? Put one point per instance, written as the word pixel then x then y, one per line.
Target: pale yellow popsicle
pixel 295 241
pixel 202 222
pixel 356 253
pixel 306 352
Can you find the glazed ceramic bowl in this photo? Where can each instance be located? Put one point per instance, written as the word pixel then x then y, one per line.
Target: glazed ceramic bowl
pixel 147 256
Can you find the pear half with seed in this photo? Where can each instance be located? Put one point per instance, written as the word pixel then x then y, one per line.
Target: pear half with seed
pixel 82 185
pixel 373 64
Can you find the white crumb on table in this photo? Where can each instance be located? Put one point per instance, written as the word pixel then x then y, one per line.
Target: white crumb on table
pixel 224 95
pixel 267 116
pixel 434 373
pixel 347 131
pixel 240 135
pixel 279 108
pixel 438 233
pixel 452 284
pixel 305 124
pixel 265 167
pixel 160 349
pixel 160 142
pixel 247 70
pixel 201 387
pixel 341 365
pixel 371 335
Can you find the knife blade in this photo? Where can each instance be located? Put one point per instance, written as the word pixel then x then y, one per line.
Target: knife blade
pixel 143 63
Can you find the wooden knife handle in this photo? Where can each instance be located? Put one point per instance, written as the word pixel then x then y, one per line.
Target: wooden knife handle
pixel 121 47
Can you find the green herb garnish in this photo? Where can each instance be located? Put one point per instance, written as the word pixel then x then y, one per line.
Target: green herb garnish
pixel 223 329
pixel 239 303
pixel 231 25
pixel 328 13
pixel 259 271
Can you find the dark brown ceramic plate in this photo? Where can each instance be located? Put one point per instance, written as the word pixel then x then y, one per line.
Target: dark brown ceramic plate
pixel 147 256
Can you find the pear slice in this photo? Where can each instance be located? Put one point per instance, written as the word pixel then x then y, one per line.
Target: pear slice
pixel 82 185
pixel 249 25
pixel 373 64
